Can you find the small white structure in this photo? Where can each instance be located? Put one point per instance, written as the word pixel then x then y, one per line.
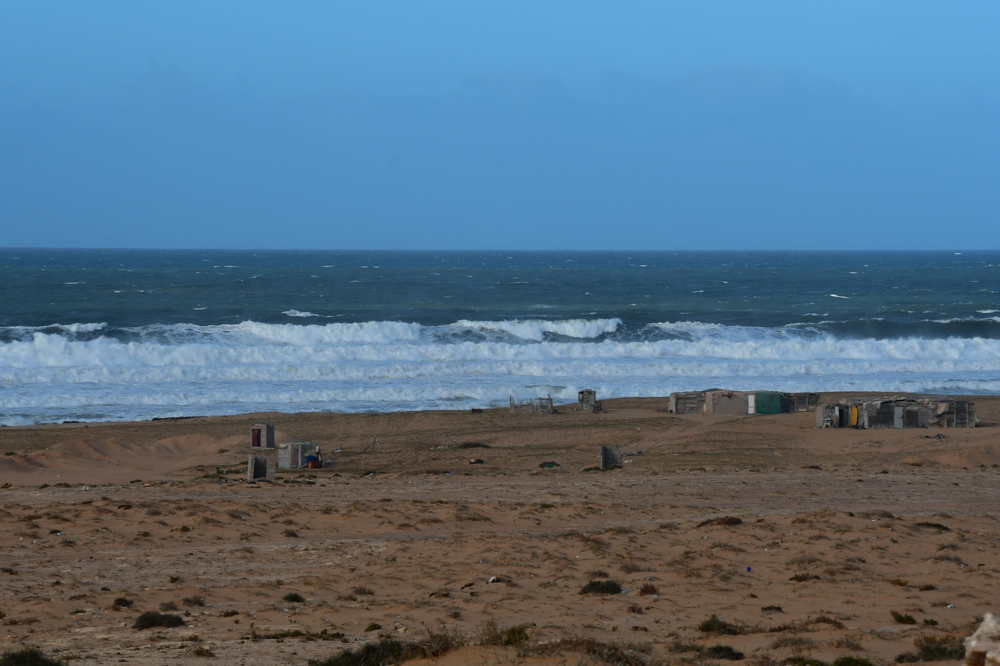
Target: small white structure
pixel 296 455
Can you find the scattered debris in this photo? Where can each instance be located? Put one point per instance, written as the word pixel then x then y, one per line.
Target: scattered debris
pixel 548 464
pixel 476 461
pixel 532 406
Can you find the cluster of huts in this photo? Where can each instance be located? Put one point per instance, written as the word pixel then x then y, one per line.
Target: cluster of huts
pixel 858 412
pixel 718 402
pixel 897 412
pixel 287 455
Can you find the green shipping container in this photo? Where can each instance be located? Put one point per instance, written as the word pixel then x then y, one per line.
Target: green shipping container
pixel 768 402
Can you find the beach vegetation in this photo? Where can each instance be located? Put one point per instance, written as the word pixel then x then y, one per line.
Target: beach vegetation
pixel 902 618
pixel 826 619
pixel 849 660
pixel 723 652
pixel 385 651
pixel 151 619
pixel 294 598
pixel 724 521
pixel 489 633
pixel 714 625
pixel 28 657
pixel 601 587
pixel 934 648
pixel 933 526
pixel 121 603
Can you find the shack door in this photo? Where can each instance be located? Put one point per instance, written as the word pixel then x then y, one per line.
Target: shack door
pixel 255 437
pixel 751 404
pixel 897 416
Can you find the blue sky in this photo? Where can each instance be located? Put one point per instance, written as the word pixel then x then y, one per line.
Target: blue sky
pixel 517 125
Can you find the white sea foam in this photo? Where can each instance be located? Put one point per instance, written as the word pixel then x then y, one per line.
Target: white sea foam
pixel 296 313
pixel 59 373
pixel 535 329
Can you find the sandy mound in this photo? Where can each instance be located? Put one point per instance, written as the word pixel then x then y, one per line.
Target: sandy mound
pixel 85 459
pixel 988 456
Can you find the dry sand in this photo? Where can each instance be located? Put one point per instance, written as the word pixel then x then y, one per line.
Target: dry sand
pixel 838 529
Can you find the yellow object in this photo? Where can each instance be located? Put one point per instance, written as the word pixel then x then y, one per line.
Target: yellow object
pixel 854 417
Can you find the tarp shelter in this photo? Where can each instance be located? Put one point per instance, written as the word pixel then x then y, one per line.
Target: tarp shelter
pixel 767 402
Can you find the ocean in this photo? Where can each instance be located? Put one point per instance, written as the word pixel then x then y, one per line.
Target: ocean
pixel 94 335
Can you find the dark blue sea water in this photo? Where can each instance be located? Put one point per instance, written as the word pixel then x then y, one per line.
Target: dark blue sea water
pixel 94 335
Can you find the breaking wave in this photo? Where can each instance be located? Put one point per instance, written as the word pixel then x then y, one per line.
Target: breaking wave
pixel 93 372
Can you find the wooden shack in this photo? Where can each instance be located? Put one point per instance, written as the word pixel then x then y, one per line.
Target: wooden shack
pixel 691 402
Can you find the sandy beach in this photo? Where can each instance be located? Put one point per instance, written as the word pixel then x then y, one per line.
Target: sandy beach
pixel 802 543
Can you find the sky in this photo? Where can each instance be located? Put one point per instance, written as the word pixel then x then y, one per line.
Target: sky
pixel 718 124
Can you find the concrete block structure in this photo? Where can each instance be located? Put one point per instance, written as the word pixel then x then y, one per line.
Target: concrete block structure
pixel 261 467
pixel 586 400
pixel 611 456
pixel 262 436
